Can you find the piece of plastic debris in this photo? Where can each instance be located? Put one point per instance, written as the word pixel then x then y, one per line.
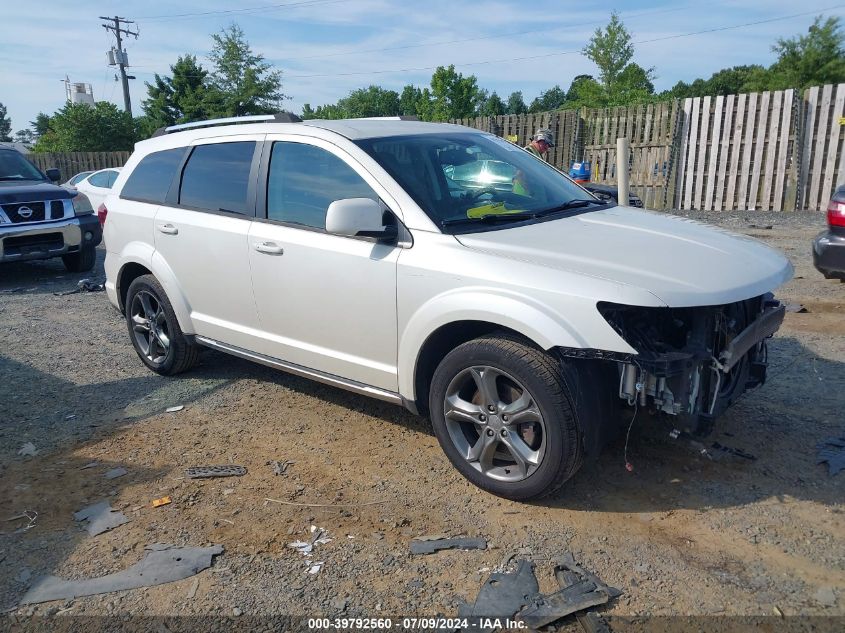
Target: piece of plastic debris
pixel 89 465
pixel 161 564
pixel 175 409
pixel 207 472
pixel 70 416
pixel 29 515
pixel 192 590
pixel 502 596
pixel 101 518
pixel 832 451
pixel 161 502
pixel 318 537
pixel 280 468
pixel 314 568
pixel 28 450
pixel 419 546
pixel 796 307
pixel 114 473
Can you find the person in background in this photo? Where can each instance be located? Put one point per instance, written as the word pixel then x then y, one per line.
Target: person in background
pixel 540 143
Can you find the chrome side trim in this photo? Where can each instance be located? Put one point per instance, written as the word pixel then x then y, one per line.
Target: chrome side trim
pixel 299 370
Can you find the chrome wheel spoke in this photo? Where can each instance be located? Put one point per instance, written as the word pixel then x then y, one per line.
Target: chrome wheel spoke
pixel 525 458
pixel 460 410
pixel 483 451
pixel 149 311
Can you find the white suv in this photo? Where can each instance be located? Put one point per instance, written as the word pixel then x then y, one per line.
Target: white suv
pixel 526 318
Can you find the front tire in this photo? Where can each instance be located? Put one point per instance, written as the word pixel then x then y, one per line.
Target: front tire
pixel 154 329
pixel 81 261
pixel 502 412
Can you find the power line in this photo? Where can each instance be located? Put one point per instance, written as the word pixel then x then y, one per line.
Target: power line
pixel 507 60
pixel 247 10
pixel 484 37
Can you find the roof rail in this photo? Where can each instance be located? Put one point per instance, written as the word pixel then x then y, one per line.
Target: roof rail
pixel 279 117
pixel 400 117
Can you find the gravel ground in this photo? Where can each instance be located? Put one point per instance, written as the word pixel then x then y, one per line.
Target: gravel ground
pixel 680 535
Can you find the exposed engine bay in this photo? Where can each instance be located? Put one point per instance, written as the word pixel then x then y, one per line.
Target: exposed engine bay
pixel 692 363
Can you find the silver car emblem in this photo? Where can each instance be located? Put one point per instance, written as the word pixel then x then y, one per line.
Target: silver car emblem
pixel 25 212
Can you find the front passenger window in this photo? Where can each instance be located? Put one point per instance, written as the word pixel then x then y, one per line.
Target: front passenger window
pixel 304 180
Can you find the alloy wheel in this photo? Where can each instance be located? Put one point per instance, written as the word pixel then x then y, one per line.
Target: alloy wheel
pixel 149 327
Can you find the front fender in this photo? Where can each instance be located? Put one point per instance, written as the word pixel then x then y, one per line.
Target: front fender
pixel 534 320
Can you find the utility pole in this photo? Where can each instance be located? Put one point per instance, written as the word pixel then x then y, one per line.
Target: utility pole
pixel 118 56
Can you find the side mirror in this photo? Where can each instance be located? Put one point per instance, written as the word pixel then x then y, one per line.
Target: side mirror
pixel 358 217
pixel 53 174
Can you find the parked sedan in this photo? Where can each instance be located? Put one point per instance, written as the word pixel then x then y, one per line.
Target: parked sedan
pixel 98 185
pixel 71 184
pixel 829 246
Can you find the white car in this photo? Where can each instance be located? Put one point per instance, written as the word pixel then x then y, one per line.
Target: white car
pixel 530 323
pixel 98 185
pixel 71 184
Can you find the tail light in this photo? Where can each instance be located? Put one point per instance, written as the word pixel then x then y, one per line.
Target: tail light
pixel 836 213
pixel 102 212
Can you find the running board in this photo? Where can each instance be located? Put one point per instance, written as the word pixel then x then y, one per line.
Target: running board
pixel 299 370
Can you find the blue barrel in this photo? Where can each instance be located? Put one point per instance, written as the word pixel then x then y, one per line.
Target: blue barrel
pixel 580 171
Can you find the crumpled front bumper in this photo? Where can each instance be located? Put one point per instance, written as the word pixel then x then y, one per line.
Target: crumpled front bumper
pixel 43 240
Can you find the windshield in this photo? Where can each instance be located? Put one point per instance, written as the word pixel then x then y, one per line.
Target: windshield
pixel 471 181
pixel 13 166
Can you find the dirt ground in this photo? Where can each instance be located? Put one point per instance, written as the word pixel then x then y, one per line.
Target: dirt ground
pixel 683 534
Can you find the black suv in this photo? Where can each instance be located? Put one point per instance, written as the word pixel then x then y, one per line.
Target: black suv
pixel 40 220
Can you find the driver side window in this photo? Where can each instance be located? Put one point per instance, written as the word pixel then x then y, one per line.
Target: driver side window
pixel 304 180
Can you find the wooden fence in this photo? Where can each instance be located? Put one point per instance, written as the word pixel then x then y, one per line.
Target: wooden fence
pixel 776 150
pixel 71 163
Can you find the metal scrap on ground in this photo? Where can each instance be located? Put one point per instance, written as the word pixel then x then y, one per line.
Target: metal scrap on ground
pixel 517 595
pixel 101 518
pixel 429 546
pixel 114 473
pixel 161 564
pixel 207 472
pixel 832 451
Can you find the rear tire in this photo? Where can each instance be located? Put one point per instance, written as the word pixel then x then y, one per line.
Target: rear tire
pixel 154 329
pixel 503 414
pixel 81 261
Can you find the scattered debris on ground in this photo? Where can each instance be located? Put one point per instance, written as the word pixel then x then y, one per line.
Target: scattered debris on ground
pixel 163 501
pixel 175 409
pixel 280 468
pixel 161 564
pixel 318 537
pixel 28 450
pixel 720 451
pixel 832 451
pixel 84 285
pixel 29 515
pixel 101 518
pixel 114 473
pixel 517 595
pixel 797 308
pixel 208 472
pixel 430 545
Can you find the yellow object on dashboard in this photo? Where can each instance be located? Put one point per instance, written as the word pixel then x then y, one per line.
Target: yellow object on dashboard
pixel 496 208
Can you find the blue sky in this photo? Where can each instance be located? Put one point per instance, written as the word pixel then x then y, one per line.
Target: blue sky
pixel 328 47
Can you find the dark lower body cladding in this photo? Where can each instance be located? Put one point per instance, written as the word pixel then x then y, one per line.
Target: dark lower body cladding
pixel 829 254
pixel 692 363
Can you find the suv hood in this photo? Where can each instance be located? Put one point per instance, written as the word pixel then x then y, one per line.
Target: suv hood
pixel 682 262
pixel 14 191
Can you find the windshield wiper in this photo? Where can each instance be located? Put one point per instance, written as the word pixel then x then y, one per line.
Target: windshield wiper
pixel 571 204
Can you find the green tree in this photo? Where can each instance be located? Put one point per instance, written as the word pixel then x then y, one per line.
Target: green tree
pixel 182 97
pixel 78 127
pixel 516 104
pixel 454 96
pixel 41 125
pixel 5 125
pixel 246 84
pixel 307 112
pixel 410 100
pixel 493 106
pixel 24 136
pixel 551 99
pixel 371 101
pixel 611 50
pixel 633 85
pixel 806 60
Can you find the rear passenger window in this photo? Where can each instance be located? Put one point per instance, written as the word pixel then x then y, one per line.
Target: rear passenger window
pixel 216 177
pixel 151 179
pixel 304 180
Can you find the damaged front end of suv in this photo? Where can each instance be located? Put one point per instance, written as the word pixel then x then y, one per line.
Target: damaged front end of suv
pixel 692 363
